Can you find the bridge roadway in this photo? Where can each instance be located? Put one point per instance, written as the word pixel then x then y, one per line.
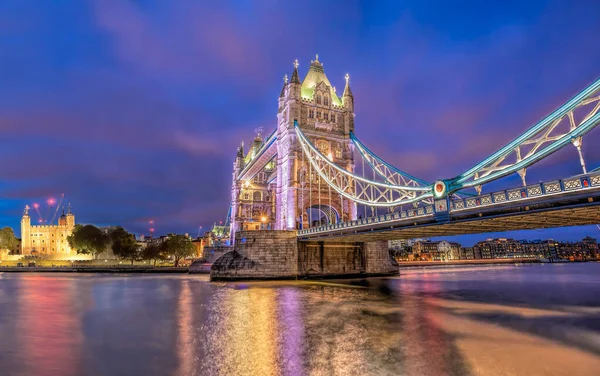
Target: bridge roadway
pixel 569 202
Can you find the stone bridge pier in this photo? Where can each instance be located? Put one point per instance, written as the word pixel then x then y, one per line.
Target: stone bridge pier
pixel 278 254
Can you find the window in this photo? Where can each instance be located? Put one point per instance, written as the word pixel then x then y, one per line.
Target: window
pixel 246 196
pixel 332 118
pixel 318 114
pixel 326 116
pixel 323 147
pixel 311 114
pixel 326 101
pixel 338 151
pixel 319 99
pixel 256 196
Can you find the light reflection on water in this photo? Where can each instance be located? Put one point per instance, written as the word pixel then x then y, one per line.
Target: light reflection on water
pixel 480 321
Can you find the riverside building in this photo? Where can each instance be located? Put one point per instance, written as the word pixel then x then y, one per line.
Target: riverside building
pixel 47 240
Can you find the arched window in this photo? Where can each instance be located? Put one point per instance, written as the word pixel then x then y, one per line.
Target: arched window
pixel 318 98
pixel 323 147
pixel 256 196
pixel 338 151
pixel 326 101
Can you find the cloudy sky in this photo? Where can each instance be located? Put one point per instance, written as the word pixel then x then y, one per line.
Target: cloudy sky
pixel 133 108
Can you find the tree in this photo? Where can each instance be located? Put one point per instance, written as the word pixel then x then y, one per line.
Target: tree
pixel 88 239
pixel 124 245
pixel 152 252
pixel 8 239
pixel 178 246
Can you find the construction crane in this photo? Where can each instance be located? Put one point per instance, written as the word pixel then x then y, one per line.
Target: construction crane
pixel 62 197
pixel 36 206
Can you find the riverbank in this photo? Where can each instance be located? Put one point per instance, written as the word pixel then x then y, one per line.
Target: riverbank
pixel 95 269
pixel 405 264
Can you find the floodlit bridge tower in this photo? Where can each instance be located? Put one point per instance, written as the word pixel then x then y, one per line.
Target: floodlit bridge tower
pixel 327 120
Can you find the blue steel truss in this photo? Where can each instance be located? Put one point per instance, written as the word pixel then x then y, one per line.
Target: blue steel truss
pixel 388 172
pixel 579 115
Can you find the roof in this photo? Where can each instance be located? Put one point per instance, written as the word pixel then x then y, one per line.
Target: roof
pixel 316 75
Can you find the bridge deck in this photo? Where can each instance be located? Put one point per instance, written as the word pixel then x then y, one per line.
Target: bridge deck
pixel 560 212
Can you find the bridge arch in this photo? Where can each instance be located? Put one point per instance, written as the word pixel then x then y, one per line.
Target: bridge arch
pixel 322 215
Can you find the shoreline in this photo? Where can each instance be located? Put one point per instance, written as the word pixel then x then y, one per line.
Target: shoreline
pixel 186 270
pixel 94 269
pixel 407 264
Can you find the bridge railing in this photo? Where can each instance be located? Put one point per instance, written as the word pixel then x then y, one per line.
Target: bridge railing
pixel 545 189
pixel 550 188
pixel 419 212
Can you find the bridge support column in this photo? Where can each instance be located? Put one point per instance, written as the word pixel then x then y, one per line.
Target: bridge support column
pixel 277 254
pixel 378 259
pixel 259 255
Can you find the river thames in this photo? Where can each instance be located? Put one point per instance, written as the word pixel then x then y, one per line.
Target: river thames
pixel 488 320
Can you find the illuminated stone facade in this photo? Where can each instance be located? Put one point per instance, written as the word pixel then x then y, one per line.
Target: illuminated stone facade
pixel 327 121
pixel 282 192
pixel 47 240
pixel 252 200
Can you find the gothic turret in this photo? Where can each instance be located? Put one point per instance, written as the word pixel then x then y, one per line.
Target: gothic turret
pixel 62 220
pixel 238 164
pixel 294 85
pixel 347 97
pixel 26 232
pixel 316 86
pixel 295 79
pixel 285 81
pixel 70 217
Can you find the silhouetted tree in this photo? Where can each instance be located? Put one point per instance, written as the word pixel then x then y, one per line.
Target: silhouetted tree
pixel 178 246
pixel 8 239
pixel 152 252
pixel 124 245
pixel 88 239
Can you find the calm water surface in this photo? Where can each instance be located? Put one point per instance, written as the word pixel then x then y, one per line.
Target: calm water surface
pixel 505 320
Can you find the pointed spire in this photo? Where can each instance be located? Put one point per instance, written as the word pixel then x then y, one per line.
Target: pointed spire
pixel 285 81
pixel 347 91
pixel 295 79
pixel 240 152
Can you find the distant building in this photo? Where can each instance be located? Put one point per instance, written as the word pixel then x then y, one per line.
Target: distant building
pixel 47 240
pixel 500 248
pixel 436 250
pixel 467 253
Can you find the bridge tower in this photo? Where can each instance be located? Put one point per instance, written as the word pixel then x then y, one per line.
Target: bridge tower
pixel 327 120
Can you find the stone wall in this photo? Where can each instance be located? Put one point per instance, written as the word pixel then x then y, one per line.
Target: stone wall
pixel 378 259
pixel 277 254
pixel 327 259
pixel 259 255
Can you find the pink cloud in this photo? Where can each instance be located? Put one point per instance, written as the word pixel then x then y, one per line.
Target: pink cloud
pixel 189 43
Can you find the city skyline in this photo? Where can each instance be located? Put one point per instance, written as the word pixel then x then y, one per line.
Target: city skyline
pixel 139 129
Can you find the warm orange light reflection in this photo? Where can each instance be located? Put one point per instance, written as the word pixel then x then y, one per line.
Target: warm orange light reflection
pixel 50 334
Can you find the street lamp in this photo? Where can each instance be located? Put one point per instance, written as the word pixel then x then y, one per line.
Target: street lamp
pixel 263 219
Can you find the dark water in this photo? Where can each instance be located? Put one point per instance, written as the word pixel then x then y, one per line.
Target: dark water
pixel 506 320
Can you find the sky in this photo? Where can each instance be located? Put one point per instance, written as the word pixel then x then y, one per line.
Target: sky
pixel 133 109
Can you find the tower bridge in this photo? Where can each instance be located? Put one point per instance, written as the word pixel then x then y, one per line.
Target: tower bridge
pixel 307 199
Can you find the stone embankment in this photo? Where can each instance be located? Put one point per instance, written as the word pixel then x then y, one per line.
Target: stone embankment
pixel 94 269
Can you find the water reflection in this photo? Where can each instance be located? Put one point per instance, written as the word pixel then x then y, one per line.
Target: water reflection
pixel 485 321
pixel 48 333
pixel 243 333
